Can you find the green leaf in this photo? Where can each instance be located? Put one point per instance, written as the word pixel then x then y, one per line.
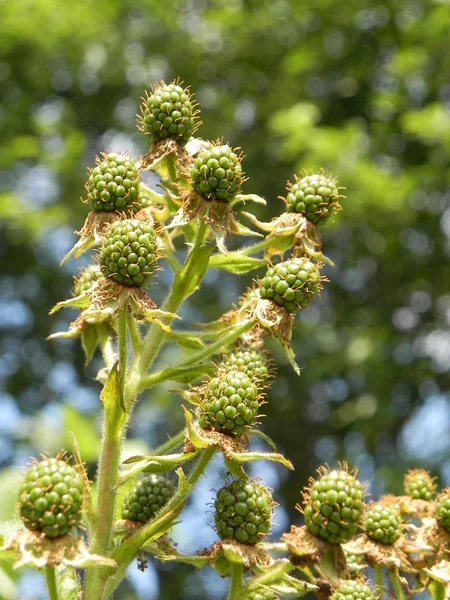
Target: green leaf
pixel 84 429
pixel 89 342
pixel 83 244
pixel 7 586
pixel 188 280
pixel 243 457
pixel 187 340
pixel 87 491
pixel 68 582
pixel 193 434
pixel 154 464
pixel 113 400
pixel 10 480
pixel 259 434
pixel 248 198
pixel 83 301
pixel 236 263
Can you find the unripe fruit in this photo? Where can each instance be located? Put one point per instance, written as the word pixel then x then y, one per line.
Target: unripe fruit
pixel 252 363
pixel 420 485
pixel 50 497
pixel 292 283
pixel 217 173
pixel 334 506
pixel 114 183
pixel 352 590
pixel 229 404
pixel 86 280
pixel 242 511
pixel 168 112
pixel 383 524
pixel 315 196
pixel 147 498
pixel 443 509
pixel 129 252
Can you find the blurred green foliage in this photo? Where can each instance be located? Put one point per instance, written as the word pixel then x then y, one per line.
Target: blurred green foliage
pixel 353 86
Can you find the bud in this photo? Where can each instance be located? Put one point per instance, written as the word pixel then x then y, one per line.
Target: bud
pixel 253 363
pixel 315 196
pixel 383 524
pixel 147 498
pixel 114 183
pixel 352 590
pixel 217 173
pixel 443 509
pixel 86 279
pixel 420 485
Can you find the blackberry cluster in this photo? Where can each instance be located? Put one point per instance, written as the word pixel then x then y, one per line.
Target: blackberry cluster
pixel 129 252
pixel 217 173
pixel 252 363
pixel 168 112
pixel 86 280
pixel 383 524
pixel 242 511
pixel 420 485
pixel 315 196
pixel 352 590
pixel 147 498
pixel 292 283
pixel 50 497
pixel 443 509
pixel 334 506
pixel 114 183
pixel 230 403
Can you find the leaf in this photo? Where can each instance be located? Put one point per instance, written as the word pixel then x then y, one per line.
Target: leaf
pixel 236 263
pixel 186 374
pixel 242 457
pixel 193 434
pixel 83 301
pixel 154 464
pixel 87 492
pixel 113 400
pixel 248 198
pixel 89 342
pixel 83 244
pixel 188 280
pixel 154 315
pixel 10 480
pixel 68 584
pixel 87 440
pixel 187 340
pixel 7 586
pixel 259 434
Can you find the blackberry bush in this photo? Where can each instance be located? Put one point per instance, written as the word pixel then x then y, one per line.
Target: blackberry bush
pixel 383 524
pixel 113 183
pixel 147 498
pixel 217 173
pixel 168 112
pixel 334 506
pixel 230 403
pixel 292 283
pixel 242 511
pixel 129 253
pixel 51 497
pixel 315 196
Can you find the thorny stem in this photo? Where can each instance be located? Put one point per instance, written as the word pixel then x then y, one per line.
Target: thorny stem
pixel 237 571
pixel 51 583
pixel 255 248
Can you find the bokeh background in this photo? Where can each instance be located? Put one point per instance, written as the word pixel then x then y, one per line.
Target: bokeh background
pixel 355 86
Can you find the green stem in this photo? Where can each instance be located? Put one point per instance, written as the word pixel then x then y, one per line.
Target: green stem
pixel 255 248
pixel 51 583
pixel 133 330
pixel 276 571
pixel 171 443
pixel 123 350
pixel 171 258
pixel 397 585
pixel 237 571
pixel 129 549
pixel 206 352
pixel 104 336
pixel 379 581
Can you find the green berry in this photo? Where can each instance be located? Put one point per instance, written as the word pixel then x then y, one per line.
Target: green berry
pixel 51 497
pixel 419 484
pixel 291 283
pixel 383 524
pixel 252 363
pixel 334 506
pixel 230 403
pixel 168 112
pixel 114 183
pixel 443 509
pixel 147 498
pixel 86 280
pixel 217 173
pixel 129 252
pixel 242 511
pixel 352 590
pixel 315 196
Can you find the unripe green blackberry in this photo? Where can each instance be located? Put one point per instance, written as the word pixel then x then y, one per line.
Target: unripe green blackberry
pixel 114 183
pixel 252 363
pixel 230 403
pixel 315 196
pixel 147 498
pixel 217 173
pixel 334 506
pixel 291 283
pixel 419 484
pixel 383 524
pixel 169 111
pixel 352 590
pixel 86 280
pixel 51 497
pixel 443 509
pixel 129 252
pixel 242 511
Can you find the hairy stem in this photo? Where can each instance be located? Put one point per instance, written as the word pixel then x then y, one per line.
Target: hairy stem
pixel 255 248
pixel 51 583
pixel 379 581
pixel 104 336
pixel 397 586
pixel 123 349
pixel 237 571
